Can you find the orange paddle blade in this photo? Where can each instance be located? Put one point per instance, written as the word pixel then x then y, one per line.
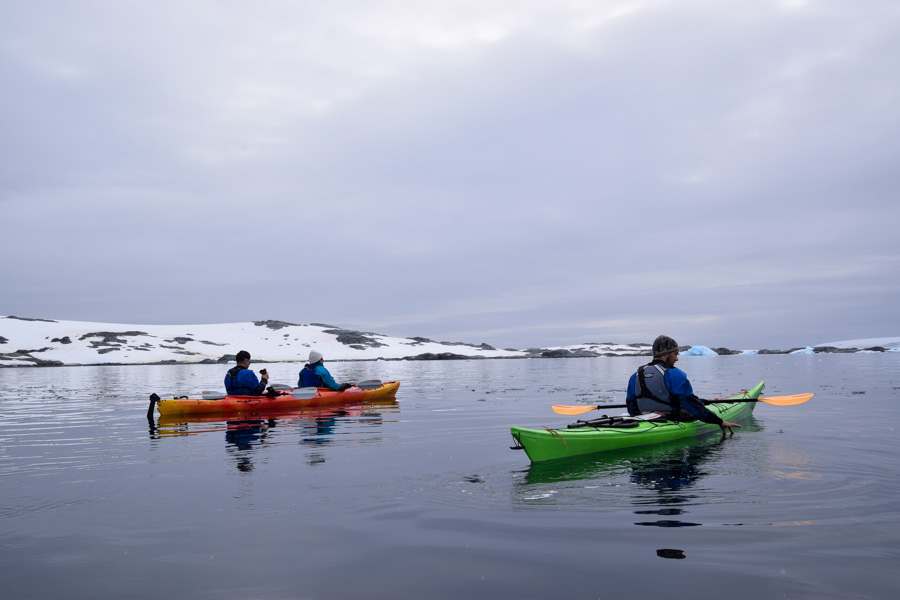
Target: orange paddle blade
pixel 787 400
pixel 563 409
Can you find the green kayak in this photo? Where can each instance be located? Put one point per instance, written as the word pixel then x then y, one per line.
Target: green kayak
pixel 615 433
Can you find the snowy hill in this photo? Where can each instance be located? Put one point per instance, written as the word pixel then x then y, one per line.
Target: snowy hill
pixel 47 342
pixel 36 342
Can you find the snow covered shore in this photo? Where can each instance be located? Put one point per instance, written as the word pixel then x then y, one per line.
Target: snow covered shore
pixel 45 342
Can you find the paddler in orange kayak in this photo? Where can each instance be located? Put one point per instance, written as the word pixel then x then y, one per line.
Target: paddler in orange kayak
pixel 241 381
pixel 314 374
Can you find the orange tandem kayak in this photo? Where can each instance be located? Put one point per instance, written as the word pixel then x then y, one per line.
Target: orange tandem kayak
pixel 285 399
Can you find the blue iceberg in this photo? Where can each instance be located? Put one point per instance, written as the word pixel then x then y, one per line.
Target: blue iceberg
pixel 700 351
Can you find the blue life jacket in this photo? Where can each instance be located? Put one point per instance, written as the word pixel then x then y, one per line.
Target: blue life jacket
pixel 650 389
pixel 243 382
pixel 309 378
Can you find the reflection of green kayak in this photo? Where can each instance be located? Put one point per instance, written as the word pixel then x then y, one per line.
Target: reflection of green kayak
pixel 610 434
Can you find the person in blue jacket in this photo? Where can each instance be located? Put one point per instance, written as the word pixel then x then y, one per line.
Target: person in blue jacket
pixel 240 380
pixel 314 374
pixel 660 387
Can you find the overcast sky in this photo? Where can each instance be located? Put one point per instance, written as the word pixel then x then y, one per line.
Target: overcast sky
pixel 521 173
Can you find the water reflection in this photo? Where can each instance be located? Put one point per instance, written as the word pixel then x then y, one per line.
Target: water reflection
pixel 663 480
pixel 248 433
pixel 242 435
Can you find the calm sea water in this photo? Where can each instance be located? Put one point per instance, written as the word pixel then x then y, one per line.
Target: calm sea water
pixel 422 497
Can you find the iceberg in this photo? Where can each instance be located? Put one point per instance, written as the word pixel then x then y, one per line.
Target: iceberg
pixel 700 351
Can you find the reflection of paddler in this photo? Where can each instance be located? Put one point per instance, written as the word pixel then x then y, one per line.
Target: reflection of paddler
pixel 244 434
pixel 241 437
pixel 677 471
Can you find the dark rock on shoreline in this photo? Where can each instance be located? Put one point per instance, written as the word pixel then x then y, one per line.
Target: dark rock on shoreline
pixel 26 356
pixel 563 353
pixel 441 356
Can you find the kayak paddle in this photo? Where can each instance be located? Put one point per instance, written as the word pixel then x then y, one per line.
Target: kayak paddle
pixel 369 384
pixel 563 409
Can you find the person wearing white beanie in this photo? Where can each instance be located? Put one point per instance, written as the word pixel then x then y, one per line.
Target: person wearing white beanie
pixel 314 374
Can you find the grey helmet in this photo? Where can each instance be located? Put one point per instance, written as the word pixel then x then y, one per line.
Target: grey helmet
pixel 663 345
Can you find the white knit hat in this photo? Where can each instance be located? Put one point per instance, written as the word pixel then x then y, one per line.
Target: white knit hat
pixel 314 357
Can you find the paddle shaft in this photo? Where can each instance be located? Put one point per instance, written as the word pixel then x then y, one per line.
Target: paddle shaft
pixel 600 407
pixel 774 400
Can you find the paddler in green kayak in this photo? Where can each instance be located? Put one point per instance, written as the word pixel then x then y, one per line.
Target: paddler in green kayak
pixel 661 388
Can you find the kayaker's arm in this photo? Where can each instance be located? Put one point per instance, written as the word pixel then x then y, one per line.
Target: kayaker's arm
pixel 258 386
pixel 327 379
pixel 680 388
pixel 697 409
pixel 692 403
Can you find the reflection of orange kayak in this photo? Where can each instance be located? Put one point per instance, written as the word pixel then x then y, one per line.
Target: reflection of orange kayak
pixel 181 406
pixel 323 411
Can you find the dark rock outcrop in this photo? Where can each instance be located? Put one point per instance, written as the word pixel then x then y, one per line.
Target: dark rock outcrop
pixel 274 325
pixel 30 319
pixel 110 338
pixel 355 339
